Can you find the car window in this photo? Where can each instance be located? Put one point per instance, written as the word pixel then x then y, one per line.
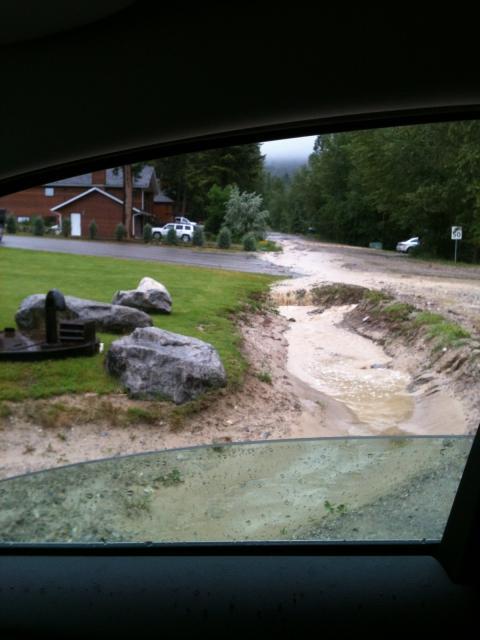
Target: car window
pixel 290 371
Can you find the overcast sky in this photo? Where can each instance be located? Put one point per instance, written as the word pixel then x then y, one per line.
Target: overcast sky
pixel 291 148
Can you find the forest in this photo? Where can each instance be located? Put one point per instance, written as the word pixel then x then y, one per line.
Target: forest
pixel 381 185
pixel 386 185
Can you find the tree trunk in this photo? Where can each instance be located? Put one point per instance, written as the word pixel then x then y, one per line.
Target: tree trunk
pixel 128 199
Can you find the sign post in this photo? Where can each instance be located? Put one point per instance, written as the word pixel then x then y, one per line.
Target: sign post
pixel 456 235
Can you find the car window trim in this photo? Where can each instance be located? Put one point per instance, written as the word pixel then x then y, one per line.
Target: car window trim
pixel 458 551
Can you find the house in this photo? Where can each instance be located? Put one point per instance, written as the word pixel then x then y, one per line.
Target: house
pixel 94 196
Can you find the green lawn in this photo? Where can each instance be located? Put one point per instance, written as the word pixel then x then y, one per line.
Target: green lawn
pixel 203 303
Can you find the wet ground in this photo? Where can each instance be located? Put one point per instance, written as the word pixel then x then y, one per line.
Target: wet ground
pixel 451 290
pixel 348 368
pixel 230 260
pixel 353 370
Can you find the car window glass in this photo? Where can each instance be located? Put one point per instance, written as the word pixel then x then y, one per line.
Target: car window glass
pixel 294 369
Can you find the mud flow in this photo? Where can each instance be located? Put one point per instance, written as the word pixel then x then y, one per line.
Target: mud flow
pixel 347 367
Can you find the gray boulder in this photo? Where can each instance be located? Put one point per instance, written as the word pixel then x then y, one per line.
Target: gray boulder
pixel 150 295
pixel 109 318
pixel 153 363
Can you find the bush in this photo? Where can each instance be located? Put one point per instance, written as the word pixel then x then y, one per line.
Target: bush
pixel 244 214
pixel 249 242
pixel 224 239
pixel 38 226
pixel 171 237
pixel 147 233
pixel 92 230
pixel 198 239
pixel 66 227
pixel 11 225
pixel 120 232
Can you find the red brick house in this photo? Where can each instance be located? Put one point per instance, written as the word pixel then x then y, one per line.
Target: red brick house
pixel 94 196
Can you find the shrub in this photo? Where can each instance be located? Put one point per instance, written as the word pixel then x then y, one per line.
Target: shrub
pixel 268 245
pixel 249 242
pixel 120 232
pixel 92 230
pixel 147 233
pixel 171 237
pixel 11 224
pixel 224 239
pixel 66 227
pixel 244 214
pixel 38 227
pixel 198 239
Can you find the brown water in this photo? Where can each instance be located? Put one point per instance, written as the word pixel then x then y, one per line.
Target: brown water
pixel 347 367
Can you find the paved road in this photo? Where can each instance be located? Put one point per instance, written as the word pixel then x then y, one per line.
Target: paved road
pixel 232 260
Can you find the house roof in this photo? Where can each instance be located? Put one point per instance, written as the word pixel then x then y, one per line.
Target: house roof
pixel 161 197
pixel 114 178
pixel 141 180
pixel 86 193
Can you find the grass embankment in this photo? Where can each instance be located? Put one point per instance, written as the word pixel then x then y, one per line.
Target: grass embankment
pixel 204 301
pixel 384 310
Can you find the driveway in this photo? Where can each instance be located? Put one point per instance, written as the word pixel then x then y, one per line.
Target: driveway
pixel 230 260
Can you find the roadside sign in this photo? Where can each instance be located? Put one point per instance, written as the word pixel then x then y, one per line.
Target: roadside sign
pixel 456 235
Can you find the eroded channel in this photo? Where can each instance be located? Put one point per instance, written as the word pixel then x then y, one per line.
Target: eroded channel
pixel 355 373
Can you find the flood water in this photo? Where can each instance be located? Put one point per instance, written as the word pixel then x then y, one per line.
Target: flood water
pixel 347 367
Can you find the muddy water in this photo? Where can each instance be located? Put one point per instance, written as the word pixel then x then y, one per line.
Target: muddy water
pixel 349 368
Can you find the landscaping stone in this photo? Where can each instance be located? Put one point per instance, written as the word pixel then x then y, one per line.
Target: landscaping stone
pixel 150 295
pixel 154 363
pixel 107 317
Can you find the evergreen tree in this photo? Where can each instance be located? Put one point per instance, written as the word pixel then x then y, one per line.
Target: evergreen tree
pixel 188 178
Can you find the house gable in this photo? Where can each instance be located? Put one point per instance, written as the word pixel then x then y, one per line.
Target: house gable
pixel 86 193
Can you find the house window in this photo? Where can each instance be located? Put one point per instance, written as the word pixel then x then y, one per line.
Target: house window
pixel 49 191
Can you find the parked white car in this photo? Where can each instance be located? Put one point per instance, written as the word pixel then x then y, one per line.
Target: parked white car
pixel 407 245
pixel 184 231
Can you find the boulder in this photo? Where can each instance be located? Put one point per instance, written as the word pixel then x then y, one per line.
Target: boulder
pixel 154 363
pixel 150 295
pixel 108 317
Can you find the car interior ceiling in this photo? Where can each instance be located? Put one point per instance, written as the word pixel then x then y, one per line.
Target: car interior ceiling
pixel 75 98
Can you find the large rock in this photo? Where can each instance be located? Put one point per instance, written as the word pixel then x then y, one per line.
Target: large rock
pixel 108 317
pixel 150 295
pixel 154 363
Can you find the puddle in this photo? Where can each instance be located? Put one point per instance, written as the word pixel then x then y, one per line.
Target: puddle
pixel 349 368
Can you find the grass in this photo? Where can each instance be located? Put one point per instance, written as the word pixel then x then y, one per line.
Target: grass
pixel 264 376
pixel 398 311
pixel 268 245
pixel 446 334
pixel 375 296
pixel 204 303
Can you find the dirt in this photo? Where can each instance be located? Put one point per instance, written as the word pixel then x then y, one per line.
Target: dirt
pixel 314 372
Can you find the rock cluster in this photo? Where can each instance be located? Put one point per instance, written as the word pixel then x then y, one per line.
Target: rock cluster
pixel 107 317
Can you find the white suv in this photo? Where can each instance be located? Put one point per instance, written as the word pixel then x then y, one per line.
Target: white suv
pixel 182 220
pixel 183 231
